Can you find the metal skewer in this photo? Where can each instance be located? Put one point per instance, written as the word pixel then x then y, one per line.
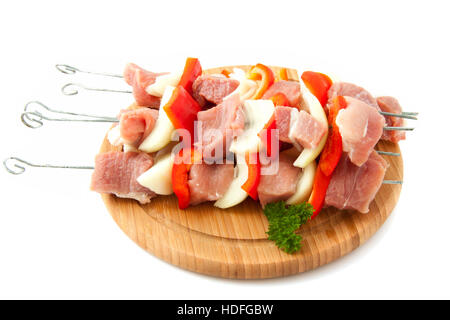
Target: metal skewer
pixel 399 115
pixel 398 128
pixel 33 119
pixel 66 69
pixel 392 182
pixel 70 89
pixel 15 165
pixel 411 113
pixel 386 153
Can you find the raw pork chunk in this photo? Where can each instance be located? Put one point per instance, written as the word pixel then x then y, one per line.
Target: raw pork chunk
pixel 390 104
pixel 351 90
pixel 217 126
pixel 307 131
pixel 209 182
pixel 209 88
pixel 291 90
pixel 136 124
pixel 140 79
pixel 298 126
pixel 116 173
pixel 360 126
pixel 280 185
pixel 353 187
pixel 283 122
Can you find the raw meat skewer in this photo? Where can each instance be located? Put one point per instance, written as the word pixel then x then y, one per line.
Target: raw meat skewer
pixel 114 172
pixel 33 119
pixel 17 167
pixel 70 89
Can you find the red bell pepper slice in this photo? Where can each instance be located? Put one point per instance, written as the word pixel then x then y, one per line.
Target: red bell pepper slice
pixel 333 147
pixel 180 184
pixel 254 175
pixel 329 158
pixel 182 110
pixel 269 133
pixel 280 99
pixel 263 73
pixel 318 84
pixel 180 173
pixel 192 70
pixel 320 186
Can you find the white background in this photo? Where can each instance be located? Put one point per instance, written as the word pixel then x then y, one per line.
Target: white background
pixel 57 239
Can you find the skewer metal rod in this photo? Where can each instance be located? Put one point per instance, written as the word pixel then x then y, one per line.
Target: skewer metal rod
pixel 395 154
pixel 411 113
pixel 392 182
pixel 66 69
pixel 16 166
pixel 398 128
pixel 37 118
pixel 70 89
pixel 33 119
pixel 40 104
pixel 398 115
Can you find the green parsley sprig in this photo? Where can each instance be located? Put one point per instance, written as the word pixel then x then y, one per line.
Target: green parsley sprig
pixel 284 221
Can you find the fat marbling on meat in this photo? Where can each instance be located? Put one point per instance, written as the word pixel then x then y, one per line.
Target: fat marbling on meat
pixel 116 173
pixel 351 90
pixel 290 89
pixel 360 126
pixel 298 127
pixel 209 182
pixel 283 122
pixel 306 130
pixel 212 88
pixel 139 79
pixel 136 124
pixel 282 183
pixel 218 125
pixel 353 187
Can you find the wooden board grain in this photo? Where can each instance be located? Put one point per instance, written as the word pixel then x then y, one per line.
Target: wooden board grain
pixel 232 243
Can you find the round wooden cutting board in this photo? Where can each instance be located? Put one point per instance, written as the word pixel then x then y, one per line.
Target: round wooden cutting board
pixel 232 243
